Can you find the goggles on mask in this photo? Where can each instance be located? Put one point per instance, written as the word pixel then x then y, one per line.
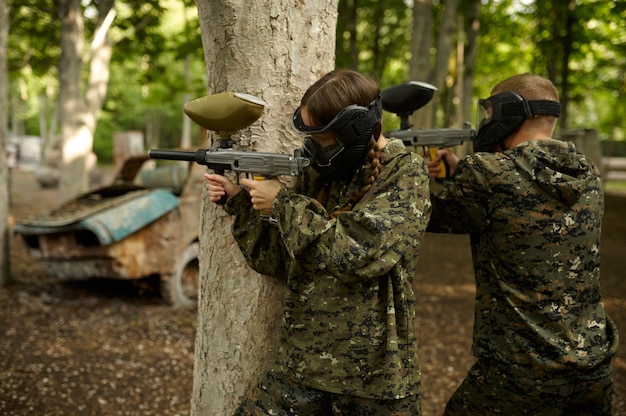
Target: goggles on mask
pixel 350 128
pixel 322 155
pixel 352 120
pixel 502 113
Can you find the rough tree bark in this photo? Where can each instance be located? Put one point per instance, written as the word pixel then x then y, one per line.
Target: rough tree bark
pixel 273 49
pixel 4 171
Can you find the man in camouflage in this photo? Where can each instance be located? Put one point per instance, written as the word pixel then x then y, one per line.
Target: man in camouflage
pixel 533 207
pixel 346 241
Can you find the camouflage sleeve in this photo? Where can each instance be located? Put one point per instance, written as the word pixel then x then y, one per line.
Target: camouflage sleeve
pixel 462 206
pixel 368 241
pixel 258 240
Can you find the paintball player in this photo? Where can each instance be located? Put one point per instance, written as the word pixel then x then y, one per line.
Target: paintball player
pixel 346 243
pixel 533 208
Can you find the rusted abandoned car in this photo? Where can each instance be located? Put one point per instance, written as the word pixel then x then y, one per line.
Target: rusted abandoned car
pixel 145 223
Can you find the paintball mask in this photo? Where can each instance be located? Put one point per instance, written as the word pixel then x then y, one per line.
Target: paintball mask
pixel 501 114
pixel 351 129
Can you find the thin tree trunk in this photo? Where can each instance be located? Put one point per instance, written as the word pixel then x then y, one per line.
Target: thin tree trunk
pixel 445 47
pixel 427 68
pixel 420 64
pixel 469 69
pixel 73 172
pixel 379 60
pixel 4 170
pixel 352 21
pixel 185 137
pixel 566 44
pixel 79 113
pixel 273 49
pixel 421 40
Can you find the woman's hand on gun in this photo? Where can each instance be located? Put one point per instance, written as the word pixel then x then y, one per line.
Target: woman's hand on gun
pixel 262 193
pixel 217 186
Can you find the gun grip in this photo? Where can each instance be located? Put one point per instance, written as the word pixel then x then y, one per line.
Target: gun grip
pixel 444 172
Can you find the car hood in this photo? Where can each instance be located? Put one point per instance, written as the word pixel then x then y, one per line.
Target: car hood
pixel 109 219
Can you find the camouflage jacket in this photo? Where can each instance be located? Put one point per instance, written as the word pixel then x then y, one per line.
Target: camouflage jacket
pixel 534 215
pixel 349 311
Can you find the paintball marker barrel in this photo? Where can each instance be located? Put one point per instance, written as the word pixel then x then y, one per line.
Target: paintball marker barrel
pixel 433 139
pixel 444 137
pixel 260 165
pixel 197 156
pixel 257 163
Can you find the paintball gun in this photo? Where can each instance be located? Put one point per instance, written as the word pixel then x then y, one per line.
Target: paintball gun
pixel 403 100
pixel 226 113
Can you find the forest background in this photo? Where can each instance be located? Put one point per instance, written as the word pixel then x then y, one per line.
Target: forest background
pixel 156 61
pixel 76 72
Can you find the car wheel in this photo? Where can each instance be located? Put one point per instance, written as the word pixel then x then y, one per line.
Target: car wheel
pixel 181 287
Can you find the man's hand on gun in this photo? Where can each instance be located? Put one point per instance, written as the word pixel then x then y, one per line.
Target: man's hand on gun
pixel 434 163
pixel 262 193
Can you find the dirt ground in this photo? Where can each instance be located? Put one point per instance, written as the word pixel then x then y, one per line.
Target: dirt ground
pixel 114 348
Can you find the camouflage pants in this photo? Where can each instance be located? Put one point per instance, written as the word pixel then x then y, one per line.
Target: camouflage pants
pixel 275 395
pixel 488 390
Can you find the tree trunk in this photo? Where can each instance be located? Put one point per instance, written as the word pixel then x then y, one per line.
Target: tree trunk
pixel 185 137
pixel 444 47
pixel 566 41
pixel 423 66
pixel 469 69
pixel 4 170
pixel 79 113
pixel 470 56
pixel 379 60
pixel 273 49
pixel 73 172
pixel 419 67
pixel 350 17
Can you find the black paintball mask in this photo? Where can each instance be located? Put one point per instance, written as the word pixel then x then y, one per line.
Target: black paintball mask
pixel 352 129
pixel 501 114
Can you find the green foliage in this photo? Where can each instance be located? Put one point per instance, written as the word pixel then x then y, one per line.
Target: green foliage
pixel 381 40
pixel 503 49
pixel 151 88
pixel 34 27
pixel 158 57
pixel 138 28
pixel 533 37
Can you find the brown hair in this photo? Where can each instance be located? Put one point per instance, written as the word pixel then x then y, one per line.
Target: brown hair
pixel 335 91
pixel 327 97
pixel 530 86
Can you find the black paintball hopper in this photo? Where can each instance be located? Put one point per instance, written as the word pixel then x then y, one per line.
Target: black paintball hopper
pixel 405 99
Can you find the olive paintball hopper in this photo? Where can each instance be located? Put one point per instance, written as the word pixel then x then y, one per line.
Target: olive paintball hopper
pixel 226 113
pixel 403 100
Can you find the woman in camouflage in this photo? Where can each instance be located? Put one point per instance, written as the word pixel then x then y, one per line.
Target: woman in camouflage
pixel 346 241
pixel 533 208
